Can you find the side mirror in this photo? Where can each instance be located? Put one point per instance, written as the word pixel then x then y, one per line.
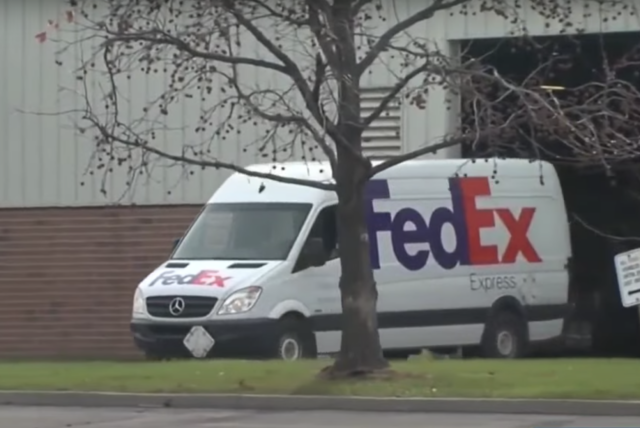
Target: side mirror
pixel 313 252
pixel 176 242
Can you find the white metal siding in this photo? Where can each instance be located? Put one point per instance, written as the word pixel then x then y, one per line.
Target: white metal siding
pixel 589 16
pixel 43 161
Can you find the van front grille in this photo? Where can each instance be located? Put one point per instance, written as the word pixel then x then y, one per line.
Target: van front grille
pixel 192 306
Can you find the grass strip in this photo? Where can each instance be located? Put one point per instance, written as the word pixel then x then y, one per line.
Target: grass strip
pixel 557 378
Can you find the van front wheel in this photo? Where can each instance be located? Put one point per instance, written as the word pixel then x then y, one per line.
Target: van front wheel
pixel 505 336
pixel 294 341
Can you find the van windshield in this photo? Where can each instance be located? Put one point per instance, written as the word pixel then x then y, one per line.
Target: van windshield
pixel 243 231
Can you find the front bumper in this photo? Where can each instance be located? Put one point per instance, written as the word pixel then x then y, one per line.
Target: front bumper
pixel 249 338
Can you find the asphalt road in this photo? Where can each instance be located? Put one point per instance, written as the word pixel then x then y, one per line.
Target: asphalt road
pixel 41 417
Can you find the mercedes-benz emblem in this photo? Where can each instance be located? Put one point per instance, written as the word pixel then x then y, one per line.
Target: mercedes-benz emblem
pixel 176 306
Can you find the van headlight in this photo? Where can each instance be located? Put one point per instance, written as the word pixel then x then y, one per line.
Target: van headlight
pixel 139 307
pixel 240 301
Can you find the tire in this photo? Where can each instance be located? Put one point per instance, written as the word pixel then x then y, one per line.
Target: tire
pixel 505 336
pixel 294 341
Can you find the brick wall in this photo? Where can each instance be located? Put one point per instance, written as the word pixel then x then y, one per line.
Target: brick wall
pixel 67 276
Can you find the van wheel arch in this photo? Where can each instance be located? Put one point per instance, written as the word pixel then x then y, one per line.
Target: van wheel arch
pixel 506 314
pixel 296 324
pixel 507 304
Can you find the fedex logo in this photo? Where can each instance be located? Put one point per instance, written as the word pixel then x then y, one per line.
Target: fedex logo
pixel 409 226
pixel 204 277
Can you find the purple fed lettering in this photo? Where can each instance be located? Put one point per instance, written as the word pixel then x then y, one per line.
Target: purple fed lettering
pixel 401 237
pixel 440 217
pixel 376 189
pixel 420 231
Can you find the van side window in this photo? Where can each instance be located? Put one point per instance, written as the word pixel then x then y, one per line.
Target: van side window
pixel 325 228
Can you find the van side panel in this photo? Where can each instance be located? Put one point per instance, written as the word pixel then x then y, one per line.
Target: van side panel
pixel 511 242
pixel 444 253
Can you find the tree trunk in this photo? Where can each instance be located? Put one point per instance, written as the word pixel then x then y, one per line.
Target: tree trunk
pixel 360 350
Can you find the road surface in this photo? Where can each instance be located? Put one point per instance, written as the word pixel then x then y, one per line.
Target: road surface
pixel 41 417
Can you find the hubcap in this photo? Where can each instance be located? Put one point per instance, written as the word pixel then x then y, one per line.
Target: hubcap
pixel 290 349
pixel 505 343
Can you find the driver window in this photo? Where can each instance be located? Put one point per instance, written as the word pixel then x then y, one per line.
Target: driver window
pixel 326 228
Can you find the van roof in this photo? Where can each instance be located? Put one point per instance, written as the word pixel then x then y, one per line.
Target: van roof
pixel 321 170
pixel 480 166
pixel 316 171
pixel 241 188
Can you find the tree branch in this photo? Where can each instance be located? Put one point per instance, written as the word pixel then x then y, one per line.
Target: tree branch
pixel 401 26
pixel 397 88
pixel 285 17
pixel 293 71
pixel 288 63
pixel 108 137
pixel 289 68
pixel 152 37
pixel 280 118
pixel 397 160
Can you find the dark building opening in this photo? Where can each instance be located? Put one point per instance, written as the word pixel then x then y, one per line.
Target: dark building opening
pixel 603 203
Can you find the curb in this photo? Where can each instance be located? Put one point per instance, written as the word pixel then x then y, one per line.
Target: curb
pixel 299 403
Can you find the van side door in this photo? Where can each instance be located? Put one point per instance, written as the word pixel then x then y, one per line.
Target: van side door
pixel 318 283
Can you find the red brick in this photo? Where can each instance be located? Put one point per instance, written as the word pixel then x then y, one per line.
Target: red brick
pixel 67 276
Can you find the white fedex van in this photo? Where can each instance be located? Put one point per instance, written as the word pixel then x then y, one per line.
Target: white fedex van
pixel 466 253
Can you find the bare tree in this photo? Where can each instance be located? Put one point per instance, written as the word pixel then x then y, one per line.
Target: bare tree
pixel 312 56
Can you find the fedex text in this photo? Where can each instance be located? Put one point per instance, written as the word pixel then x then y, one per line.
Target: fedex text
pixel 205 277
pixel 409 226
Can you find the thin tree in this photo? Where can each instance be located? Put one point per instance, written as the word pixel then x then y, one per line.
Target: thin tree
pixel 293 70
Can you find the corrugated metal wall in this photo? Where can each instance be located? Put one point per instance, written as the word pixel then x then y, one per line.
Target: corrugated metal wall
pixel 44 161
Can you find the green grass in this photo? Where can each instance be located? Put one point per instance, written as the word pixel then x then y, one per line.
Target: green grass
pixel 559 378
